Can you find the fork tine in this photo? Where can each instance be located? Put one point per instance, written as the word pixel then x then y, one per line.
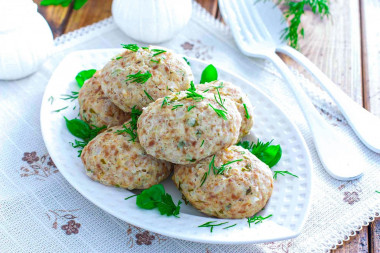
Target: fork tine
pixel 258 21
pixel 254 19
pixel 244 29
pixel 241 10
pixel 238 29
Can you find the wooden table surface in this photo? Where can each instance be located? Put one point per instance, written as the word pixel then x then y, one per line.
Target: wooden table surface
pixel 346 47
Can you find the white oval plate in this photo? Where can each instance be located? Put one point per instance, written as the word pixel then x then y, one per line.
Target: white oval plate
pixel 289 203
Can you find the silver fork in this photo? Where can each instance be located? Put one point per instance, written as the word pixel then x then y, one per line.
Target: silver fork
pixel 333 152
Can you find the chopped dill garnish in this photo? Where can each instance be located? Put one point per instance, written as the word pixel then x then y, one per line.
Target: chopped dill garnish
pixel 246 111
pixel 146 48
pixel 132 129
pixel 51 100
pixel 129 131
pixel 194 95
pixel 223 168
pixel 74 95
pixel 210 225
pixel 192 87
pixel 118 58
pixel 176 106
pixel 131 196
pixel 257 219
pixel 187 61
pixel 216 170
pixel 158 61
pixel 132 47
pixel 206 90
pixel 139 77
pixel 147 94
pixel 203 141
pixel 282 173
pixel 220 101
pixel 58 110
pixel 158 51
pixel 219 86
pixel 219 112
pixel 165 101
pixel 230 226
pixel 190 107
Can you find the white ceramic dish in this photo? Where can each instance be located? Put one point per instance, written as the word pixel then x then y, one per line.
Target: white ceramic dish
pixel 289 203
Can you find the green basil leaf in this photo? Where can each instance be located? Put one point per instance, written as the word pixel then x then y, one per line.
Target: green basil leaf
pixel 64 3
pixel 79 4
pixel 78 128
pixel 272 155
pixel 149 198
pixel 84 75
pixel 209 74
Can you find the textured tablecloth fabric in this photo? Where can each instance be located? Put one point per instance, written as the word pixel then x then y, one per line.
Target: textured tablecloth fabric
pixel 41 212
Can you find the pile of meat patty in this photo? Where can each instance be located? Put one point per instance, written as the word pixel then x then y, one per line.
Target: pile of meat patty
pixel 175 130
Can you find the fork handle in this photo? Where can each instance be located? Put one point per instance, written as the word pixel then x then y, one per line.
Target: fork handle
pixel 327 141
pixel 365 125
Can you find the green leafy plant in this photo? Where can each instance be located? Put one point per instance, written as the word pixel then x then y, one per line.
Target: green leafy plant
pixel 209 74
pixel 84 75
pixel 267 153
pixel 156 197
pixel 77 3
pixel 82 130
pixel 293 13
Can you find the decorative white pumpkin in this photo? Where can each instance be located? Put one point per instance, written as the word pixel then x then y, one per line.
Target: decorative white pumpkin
pixel 25 39
pixel 151 21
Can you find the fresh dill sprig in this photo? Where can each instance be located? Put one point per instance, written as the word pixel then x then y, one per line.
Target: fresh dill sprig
pixel 220 101
pixel 165 101
pixel 216 170
pixel 282 173
pixel 203 141
pixel 147 94
pixel 80 145
pixel 230 226
pixel 187 61
pixel 190 107
pixel 51 100
pixel 132 47
pixel 293 13
pixel 219 112
pixel 210 225
pixel 223 168
pixel 192 86
pixel 176 106
pixel 257 219
pixel 139 77
pixel 58 110
pixel 129 131
pixel 119 57
pixel 74 95
pixel 377 191
pixel 194 95
pixel 132 129
pixel 246 111
pixel 158 51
